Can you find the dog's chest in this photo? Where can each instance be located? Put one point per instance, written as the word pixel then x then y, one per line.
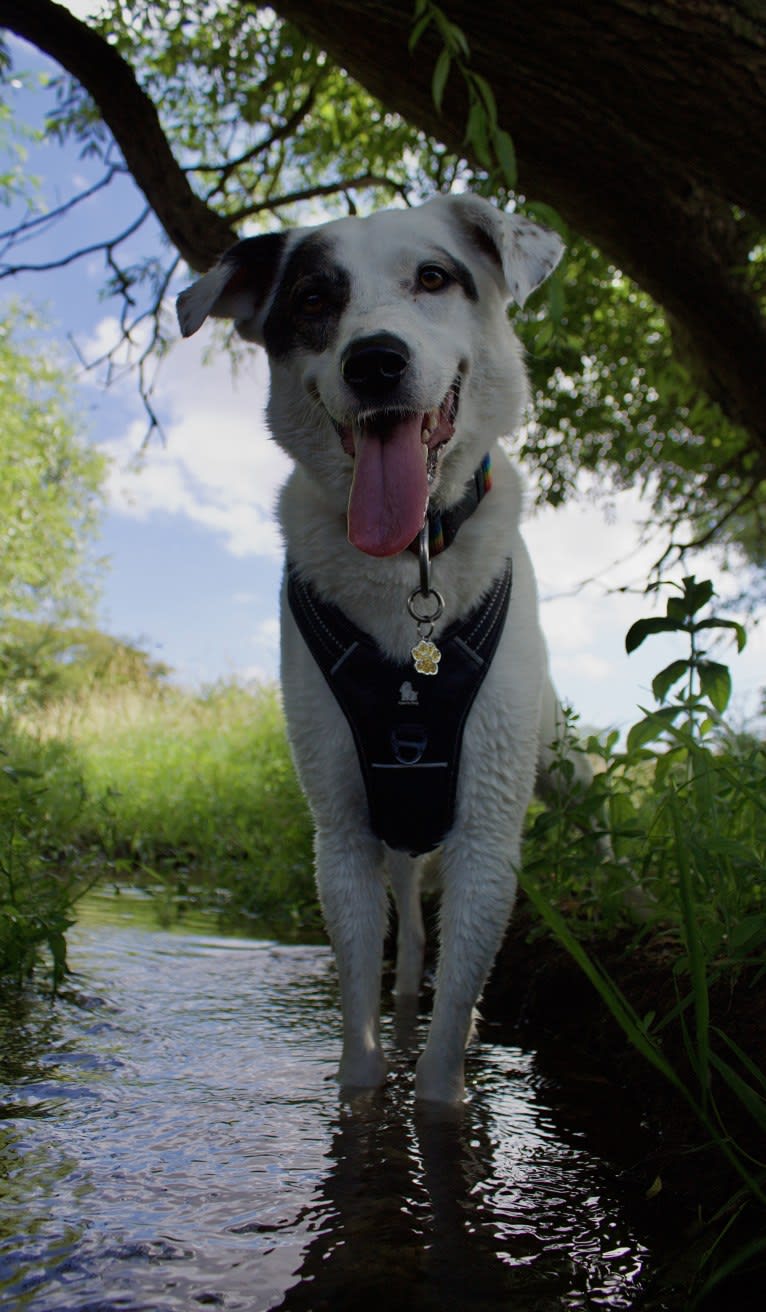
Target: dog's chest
pixel 407 719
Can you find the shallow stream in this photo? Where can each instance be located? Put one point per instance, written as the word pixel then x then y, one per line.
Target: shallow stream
pixel 172 1138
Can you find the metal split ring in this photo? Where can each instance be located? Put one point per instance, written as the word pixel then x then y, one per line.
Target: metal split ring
pixel 428 618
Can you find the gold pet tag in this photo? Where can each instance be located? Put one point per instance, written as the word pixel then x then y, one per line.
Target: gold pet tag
pixel 426 656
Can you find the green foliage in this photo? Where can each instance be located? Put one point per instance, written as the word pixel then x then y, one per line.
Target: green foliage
pixel 708 687
pixel 687 819
pixel 194 797
pixel 16 181
pixel 258 115
pixel 50 479
pixel 40 662
pixel 41 875
pixel 612 397
pixel 491 144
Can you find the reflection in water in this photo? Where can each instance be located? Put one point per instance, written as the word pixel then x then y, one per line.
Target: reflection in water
pixel 173 1138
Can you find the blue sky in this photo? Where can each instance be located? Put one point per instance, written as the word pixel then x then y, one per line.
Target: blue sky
pixel 194 555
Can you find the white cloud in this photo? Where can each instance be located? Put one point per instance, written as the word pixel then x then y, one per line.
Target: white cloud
pixel 218 466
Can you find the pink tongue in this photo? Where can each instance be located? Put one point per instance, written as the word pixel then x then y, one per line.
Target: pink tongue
pixel 389 494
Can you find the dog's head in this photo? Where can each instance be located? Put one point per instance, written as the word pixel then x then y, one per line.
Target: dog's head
pixel 393 364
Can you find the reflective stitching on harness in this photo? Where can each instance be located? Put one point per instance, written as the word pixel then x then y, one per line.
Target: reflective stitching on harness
pixel 348 652
pixel 487 615
pixel 319 622
pixel 408 729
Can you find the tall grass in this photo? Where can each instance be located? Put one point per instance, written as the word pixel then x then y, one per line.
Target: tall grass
pixel 198 792
pixel 686 808
pixel 195 796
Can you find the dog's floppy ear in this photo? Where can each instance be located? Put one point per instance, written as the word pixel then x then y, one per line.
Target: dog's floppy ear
pixel 525 252
pixel 237 287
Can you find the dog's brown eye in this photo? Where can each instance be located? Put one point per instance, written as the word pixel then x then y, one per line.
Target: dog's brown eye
pixel 432 278
pixel 311 304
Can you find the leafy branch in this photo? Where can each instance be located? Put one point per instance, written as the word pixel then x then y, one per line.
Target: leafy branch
pixel 492 145
pixel 708 683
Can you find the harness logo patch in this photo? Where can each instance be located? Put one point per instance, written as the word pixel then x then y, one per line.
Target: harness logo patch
pixel 407 694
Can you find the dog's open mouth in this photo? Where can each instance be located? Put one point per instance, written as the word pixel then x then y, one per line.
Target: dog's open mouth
pixel 395 459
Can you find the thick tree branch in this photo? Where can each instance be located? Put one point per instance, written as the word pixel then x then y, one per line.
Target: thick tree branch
pixel 641 121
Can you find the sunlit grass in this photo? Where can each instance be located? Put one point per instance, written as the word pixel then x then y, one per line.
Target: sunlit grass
pixel 193 795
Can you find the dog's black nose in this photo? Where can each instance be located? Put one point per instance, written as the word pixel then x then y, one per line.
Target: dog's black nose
pixel 374 366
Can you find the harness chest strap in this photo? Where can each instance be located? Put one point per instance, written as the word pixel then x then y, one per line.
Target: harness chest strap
pixel 408 728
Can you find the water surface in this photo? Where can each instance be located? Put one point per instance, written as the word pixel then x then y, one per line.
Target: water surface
pixel 172 1137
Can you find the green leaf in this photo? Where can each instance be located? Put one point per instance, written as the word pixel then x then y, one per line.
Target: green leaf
pixel 476 134
pixel 676 609
pixel 665 763
pixel 758 1075
pixel 423 22
pixel 556 297
pixel 748 934
pixel 457 39
pixel 696 595
pixel 738 629
pixel 488 97
pixel 749 1098
pixel 715 683
pixel 667 677
pixel 645 628
pixel 544 335
pixel 652 726
pixel 439 80
pixel 506 157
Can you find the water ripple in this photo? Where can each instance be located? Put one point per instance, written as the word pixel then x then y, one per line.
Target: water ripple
pixel 172 1137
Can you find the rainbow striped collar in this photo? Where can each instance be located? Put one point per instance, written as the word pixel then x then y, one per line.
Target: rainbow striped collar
pixel 443 525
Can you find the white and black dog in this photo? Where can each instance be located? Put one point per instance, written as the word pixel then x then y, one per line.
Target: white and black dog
pixel 394 372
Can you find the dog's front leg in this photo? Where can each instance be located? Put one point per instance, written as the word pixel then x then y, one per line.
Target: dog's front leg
pixel 351 882
pixel 404 877
pixel 479 887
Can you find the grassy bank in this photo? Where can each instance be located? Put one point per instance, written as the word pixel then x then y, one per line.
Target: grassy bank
pixel 194 796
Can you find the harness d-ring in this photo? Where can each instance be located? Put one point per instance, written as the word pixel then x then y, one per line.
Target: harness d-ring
pixel 425 590
pixel 430 617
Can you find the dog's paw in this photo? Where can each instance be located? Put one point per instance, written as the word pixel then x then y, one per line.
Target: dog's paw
pixel 438 1082
pixel 362 1070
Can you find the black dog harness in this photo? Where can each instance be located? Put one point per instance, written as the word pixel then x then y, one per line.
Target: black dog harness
pixel 408 727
